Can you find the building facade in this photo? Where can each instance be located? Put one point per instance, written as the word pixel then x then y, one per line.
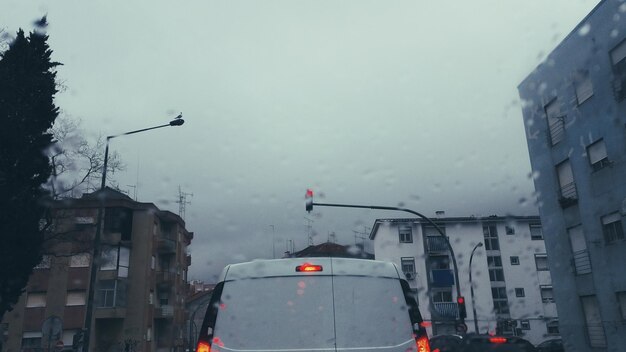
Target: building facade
pixel 575 118
pixel 510 277
pixel 140 287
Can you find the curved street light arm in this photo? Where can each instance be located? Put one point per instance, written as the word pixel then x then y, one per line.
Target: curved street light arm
pixel 454 264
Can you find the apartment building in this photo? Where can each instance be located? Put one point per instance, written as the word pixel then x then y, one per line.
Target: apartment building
pixel 510 277
pixel 575 117
pixel 140 288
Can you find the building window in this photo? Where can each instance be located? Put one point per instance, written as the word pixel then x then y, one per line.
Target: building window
pixel 541 261
pixel 405 233
pixel 567 187
pixel 496 275
pixel 75 298
pixel 494 261
pixel 583 86
pixel 621 299
pixel 618 56
pixel 45 262
pixel 597 155
pixel 552 327
pixel 79 260
pixel 612 227
pixel 442 296
pixel 519 292
pixel 524 324
pixel 501 307
pixel 547 296
pixel 514 260
pixel 119 220
pixel 105 294
pixel 31 340
pixel 116 258
pixel 408 267
pixel 536 232
pixel 509 230
pixel 556 121
pixel 35 299
pixel 490 233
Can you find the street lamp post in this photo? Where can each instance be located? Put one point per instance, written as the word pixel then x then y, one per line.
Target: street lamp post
pixel 177 121
pixel 310 205
pixel 479 244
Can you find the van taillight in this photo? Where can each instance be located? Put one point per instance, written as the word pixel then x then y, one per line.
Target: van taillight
pixel 422 344
pixel 203 346
pixel 308 267
pixel 497 339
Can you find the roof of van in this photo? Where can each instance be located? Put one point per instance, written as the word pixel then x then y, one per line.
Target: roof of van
pixel 329 266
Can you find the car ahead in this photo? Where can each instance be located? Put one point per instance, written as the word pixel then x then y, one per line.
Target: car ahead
pixel 446 343
pixel 312 304
pixel 552 345
pixel 485 343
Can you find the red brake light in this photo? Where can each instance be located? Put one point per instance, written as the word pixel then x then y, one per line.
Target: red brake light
pixel 308 267
pixel 497 339
pixel 422 344
pixel 203 347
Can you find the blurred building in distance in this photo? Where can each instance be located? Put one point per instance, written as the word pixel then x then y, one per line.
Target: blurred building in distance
pixel 512 284
pixel 574 112
pixel 141 286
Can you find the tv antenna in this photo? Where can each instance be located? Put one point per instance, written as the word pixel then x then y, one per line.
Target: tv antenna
pixel 182 202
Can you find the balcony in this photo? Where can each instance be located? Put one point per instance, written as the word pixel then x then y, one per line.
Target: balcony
pixel 581 262
pixel 166 245
pixel 165 278
pixel 165 311
pixel 569 195
pixel 436 244
pixel 446 310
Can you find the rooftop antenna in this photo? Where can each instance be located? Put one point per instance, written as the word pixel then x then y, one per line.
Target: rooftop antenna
pixel 182 202
pixel 308 230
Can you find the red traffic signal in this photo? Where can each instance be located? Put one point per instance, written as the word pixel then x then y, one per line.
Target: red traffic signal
pixel 308 200
pixel 461 303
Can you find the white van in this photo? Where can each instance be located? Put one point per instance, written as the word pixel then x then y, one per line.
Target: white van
pixel 312 304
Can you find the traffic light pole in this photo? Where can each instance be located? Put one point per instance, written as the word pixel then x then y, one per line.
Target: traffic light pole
pixel 310 205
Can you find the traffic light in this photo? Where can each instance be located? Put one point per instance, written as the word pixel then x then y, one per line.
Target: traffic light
pixel 461 303
pixel 309 200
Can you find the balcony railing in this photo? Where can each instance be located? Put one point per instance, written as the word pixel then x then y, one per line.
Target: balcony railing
pixel 165 277
pixel 166 245
pixel 446 310
pixel 436 244
pixel 569 195
pixel 596 336
pixel 165 311
pixel 581 262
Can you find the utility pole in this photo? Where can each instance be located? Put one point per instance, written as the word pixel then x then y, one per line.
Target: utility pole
pixel 308 230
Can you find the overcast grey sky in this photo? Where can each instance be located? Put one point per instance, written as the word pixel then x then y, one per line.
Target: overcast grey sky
pixel 370 102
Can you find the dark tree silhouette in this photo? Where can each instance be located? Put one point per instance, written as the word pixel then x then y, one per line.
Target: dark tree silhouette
pixel 27 111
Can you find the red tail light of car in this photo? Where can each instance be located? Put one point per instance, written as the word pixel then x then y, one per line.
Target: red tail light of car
pixel 203 346
pixel 497 339
pixel 422 344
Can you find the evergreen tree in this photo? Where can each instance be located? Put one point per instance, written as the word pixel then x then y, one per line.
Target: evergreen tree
pixel 27 111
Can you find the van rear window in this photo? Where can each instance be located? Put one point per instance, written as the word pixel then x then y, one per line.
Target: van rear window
pixel 292 312
pixel 296 313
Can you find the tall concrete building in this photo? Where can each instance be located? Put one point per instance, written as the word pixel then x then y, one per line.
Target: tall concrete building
pixel 141 284
pixel 574 111
pixel 512 284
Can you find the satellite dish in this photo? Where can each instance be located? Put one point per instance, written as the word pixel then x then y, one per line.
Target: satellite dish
pixel 52 326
